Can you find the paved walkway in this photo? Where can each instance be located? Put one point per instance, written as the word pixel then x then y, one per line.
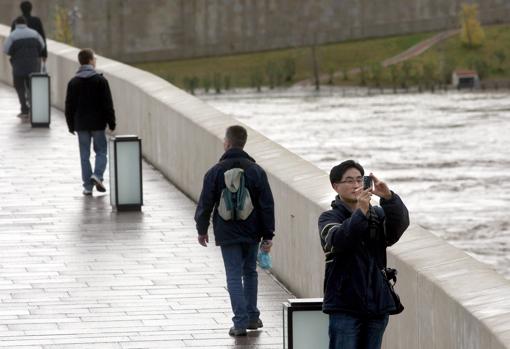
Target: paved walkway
pixel 73 274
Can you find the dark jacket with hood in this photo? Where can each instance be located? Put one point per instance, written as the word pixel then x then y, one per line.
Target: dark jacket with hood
pixel 260 223
pixel 355 248
pixel 35 24
pixel 89 105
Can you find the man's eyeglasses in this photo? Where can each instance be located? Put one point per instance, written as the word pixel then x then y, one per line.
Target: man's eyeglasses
pixel 351 181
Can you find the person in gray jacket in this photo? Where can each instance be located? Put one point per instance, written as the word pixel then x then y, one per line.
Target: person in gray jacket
pixel 25 47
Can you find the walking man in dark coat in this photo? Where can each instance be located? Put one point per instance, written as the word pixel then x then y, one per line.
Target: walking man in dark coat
pixel 25 46
pixel 238 238
pixel 34 23
pixel 88 110
pixel 354 236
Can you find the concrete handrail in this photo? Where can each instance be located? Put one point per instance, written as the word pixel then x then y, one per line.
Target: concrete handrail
pixel 452 301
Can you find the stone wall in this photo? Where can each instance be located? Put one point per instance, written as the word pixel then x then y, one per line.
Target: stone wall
pixel 135 30
pixel 452 301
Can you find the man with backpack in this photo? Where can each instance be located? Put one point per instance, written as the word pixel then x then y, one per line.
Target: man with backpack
pixel 237 193
pixel 354 235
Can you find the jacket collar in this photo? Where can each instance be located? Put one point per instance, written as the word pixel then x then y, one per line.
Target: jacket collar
pixel 86 71
pixel 340 205
pixel 236 153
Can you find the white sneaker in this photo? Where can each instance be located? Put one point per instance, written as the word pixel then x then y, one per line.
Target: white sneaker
pixel 87 192
pixel 99 184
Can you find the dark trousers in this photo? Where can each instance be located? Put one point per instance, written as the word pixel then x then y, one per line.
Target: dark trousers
pixel 22 86
pixel 353 332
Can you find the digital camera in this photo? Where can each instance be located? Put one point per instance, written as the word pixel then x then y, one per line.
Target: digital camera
pixel 367 182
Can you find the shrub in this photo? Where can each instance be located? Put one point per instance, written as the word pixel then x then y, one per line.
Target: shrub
pixel 217 82
pixel 471 34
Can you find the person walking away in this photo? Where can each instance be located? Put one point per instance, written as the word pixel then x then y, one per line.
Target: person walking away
pixel 354 236
pixel 88 110
pixel 25 47
pixel 34 23
pixel 237 193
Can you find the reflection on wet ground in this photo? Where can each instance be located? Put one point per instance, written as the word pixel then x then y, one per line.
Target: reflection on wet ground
pixel 447 154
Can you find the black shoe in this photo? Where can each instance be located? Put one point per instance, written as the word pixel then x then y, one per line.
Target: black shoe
pixel 255 325
pixel 237 332
pixel 98 183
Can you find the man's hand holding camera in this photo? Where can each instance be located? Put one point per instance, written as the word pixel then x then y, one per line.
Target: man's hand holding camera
pixel 371 185
pixel 380 188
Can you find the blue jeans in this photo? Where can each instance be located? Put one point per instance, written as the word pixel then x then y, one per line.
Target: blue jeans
pixel 242 281
pixel 352 332
pixel 100 146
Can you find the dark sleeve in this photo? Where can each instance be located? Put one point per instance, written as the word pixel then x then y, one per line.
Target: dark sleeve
pixel 206 202
pixel 340 235
pixel 108 106
pixel 39 28
pixel 265 205
pixel 397 218
pixel 70 106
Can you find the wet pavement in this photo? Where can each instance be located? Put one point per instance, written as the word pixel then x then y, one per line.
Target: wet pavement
pixel 74 274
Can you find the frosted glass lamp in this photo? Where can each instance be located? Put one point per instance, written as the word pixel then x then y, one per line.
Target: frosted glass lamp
pixel 126 173
pixel 40 104
pixel 305 326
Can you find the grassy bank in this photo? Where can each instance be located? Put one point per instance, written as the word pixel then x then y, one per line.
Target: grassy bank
pixel 244 68
pixel 284 67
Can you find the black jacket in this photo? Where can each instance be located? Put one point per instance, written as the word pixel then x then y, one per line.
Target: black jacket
pixel 260 223
pixel 24 45
pixel 356 254
pixel 89 105
pixel 35 24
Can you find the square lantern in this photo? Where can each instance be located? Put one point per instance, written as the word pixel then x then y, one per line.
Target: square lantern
pixel 40 100
pixel 305 326
pixel 126 173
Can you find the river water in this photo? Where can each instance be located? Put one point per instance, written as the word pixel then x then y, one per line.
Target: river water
pixel 446 154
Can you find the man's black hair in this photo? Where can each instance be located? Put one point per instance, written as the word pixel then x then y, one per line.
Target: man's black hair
pixel 338 171
pixel 236 135
pixel 20 20
pixel 26 8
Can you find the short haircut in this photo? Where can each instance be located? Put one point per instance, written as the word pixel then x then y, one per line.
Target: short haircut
pixel 20 20
pixel 338 171
pixel 85 56
pixel 26 7
pixel 236 135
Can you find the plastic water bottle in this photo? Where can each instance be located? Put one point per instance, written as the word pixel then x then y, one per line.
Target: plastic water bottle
pixel 264 258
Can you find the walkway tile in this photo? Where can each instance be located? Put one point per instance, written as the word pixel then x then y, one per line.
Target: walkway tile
pixel 74 274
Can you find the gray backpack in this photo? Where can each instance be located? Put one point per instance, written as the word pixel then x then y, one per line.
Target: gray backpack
pixel 235 201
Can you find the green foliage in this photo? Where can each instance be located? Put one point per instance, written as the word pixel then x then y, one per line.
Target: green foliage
pixel 376 70
pixel 289 69
pixel 362 76
pixel 257 79
pixel 206 83
pixel 227 81
pixel 62 25
pixel 471 33
pixel 481 66
pixel 217 82
pixel 345 74
pixel 191 84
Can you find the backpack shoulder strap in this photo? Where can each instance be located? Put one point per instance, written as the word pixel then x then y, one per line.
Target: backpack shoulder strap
pixel 235 163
